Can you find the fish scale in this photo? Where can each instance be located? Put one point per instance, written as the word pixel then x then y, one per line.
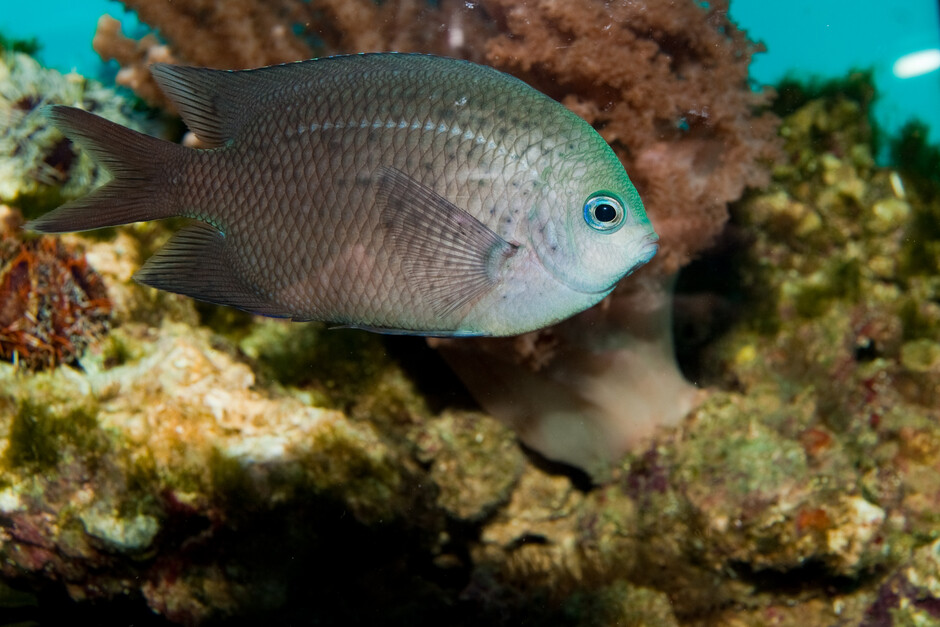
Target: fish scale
pixel 398 193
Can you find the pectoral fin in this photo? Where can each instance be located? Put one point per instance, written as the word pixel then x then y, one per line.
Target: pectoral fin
pixel 452 257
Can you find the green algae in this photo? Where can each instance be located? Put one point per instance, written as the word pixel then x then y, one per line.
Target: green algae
pixel 745 452
pixel 40 438
pixel 356 466
pixel 28 46
pixel 921 356
pixel 837 281
pixel 474 462
pixel 620 604
pixel 822 106
pixel 337 366
pixel 912 153
pixel 921 252
pixel 117 350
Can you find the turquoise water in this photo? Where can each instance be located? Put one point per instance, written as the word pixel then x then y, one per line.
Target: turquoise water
pixel 804 38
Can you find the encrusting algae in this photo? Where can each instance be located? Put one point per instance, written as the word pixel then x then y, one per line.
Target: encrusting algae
pixel 258 470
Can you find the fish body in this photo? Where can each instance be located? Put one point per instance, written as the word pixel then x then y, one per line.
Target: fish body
pixel 394 192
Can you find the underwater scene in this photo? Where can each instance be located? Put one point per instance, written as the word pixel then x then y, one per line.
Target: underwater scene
pixel 585 313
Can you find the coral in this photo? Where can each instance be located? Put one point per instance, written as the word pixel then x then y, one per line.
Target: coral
pixel 910 597
pixel 474 464
pixel 248 34
pixel 52 302
pixel 231 475
pixel 39 168
pixel 205 466
pixel 841 346
pixel 667 86
pixel 105 467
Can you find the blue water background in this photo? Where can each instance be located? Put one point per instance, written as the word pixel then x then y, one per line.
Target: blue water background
pixel 805 38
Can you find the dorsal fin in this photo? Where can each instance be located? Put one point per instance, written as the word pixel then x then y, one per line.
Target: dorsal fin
pixel 215 103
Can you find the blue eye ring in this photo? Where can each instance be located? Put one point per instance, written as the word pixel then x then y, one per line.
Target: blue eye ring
pixel 604 212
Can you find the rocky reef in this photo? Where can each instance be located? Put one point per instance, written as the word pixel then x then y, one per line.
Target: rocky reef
pixel 183 464
pixel 196 466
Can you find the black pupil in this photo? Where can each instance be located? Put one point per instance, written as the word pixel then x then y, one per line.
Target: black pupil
pixel 605 213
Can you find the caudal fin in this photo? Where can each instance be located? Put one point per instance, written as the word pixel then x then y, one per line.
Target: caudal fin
pixel 138 162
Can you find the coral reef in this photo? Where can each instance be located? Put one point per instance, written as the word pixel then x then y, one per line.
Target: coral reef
pixel 204 467
pixel 52 303
pixel 285 472
pixel 247 34
pixel 665 84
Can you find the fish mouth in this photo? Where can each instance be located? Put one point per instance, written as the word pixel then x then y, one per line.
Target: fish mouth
pixel 650 245
pixel 642 249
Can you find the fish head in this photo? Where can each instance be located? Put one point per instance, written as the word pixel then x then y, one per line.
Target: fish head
pixel 591 229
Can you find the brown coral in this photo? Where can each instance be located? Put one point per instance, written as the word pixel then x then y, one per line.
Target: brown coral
pixel 666 84
pixel 51 302
pixel 245 34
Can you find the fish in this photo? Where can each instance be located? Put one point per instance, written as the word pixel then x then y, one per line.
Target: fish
pixel 392 192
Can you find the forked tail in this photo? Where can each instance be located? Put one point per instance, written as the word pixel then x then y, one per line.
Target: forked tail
pixel 139 163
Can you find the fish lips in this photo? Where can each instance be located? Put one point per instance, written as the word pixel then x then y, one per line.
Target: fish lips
pixel 645 250
pixel 648 251
pixel 648 248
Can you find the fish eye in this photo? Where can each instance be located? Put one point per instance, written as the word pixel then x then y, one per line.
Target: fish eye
pixel 604 213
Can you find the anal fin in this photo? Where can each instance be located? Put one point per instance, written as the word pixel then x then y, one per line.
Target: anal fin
pixel 195 263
